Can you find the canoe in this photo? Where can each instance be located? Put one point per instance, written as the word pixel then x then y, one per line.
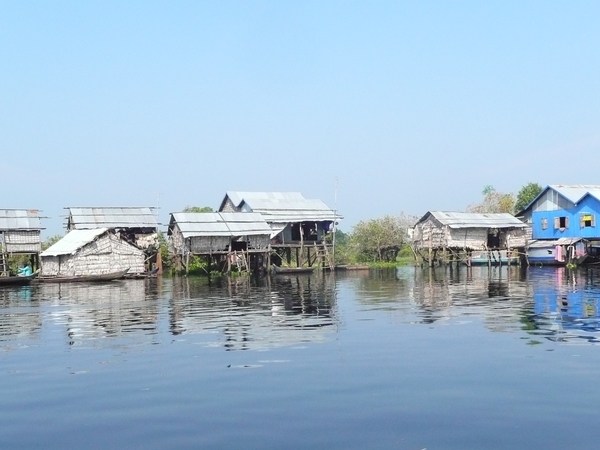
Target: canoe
pixel 352 267
pixel 84 278
pixel 17 280
pixel 136 276
pixel 292 270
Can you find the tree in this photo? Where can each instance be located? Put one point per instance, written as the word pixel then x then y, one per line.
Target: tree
pixel 49 242
pixel 526 196
pixel 380 239
pixel 494 202
pixel 197 209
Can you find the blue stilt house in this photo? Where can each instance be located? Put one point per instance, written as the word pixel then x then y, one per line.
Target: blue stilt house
pixel 564 222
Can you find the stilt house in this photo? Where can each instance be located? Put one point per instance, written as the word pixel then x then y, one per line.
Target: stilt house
pixel 468 237
pixel 137 226
pixel 297 222
pixel 91 252
pixel 564 222
pixel 20 231
pixel 223 238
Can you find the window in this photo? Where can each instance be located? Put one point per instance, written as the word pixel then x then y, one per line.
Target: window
pixel 561 223
pixel 544 223
pixel 587 220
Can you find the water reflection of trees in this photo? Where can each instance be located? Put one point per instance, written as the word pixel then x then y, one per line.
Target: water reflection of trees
pixel 376 287
pixel 242 313
pixel 96 310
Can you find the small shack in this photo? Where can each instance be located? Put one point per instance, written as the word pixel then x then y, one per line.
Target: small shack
pixel 136 225
pixel 298 223
pixel 224 239
pixel 91 252
pixel 20 231
pixel 471 238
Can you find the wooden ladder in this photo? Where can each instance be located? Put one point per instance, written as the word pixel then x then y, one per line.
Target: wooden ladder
pixel 3 258
pixel 241 261
pixel 328 257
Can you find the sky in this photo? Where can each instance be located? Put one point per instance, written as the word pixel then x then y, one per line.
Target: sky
pixel 374 107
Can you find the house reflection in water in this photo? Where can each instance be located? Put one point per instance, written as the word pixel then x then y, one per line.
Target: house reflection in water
pixel 18 320
pixel 288 310
pixel 499 294
pixel 91 311
pixel 566 309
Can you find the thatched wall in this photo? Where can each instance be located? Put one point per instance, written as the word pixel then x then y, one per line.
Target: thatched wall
pixel 176 241
pixel 146 240
pixel 228 206
pixel 209 244
pixel 22 241
pixel 203 245
pixel 515 238
pixel 430 234
pixel 106 254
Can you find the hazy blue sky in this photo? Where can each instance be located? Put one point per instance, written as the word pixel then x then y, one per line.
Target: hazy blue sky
pixel 414 106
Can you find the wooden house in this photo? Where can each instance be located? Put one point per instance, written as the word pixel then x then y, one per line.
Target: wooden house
pixel 91 252
pixel 297 222
pixel 222 238
pixel 137 226
pixel 20 231
pixel 564 223
pixel 471 238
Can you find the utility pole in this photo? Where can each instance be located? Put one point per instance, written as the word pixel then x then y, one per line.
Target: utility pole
pixel 335 219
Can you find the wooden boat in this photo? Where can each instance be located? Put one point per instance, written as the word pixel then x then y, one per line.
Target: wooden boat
pixel 352 267
pixel 143 275
pixel 292 270
pixel 84 278
pixel 17 280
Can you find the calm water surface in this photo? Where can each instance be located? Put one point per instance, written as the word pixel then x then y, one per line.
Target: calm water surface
pixel 399 359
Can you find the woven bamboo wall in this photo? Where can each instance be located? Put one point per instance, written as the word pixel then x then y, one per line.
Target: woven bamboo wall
pixel 428 233
pixel 23 241
pixel 209 244
pixel 106 254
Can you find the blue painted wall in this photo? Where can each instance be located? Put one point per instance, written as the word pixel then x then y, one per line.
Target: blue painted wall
pixel 589 205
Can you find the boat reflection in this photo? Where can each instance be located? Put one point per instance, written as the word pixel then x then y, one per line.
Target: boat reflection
pixel 239 314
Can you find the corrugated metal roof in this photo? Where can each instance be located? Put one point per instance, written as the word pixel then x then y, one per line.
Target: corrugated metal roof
pixel 73 241
pixel 20 219
pixel 283 206
pixel 475 220
pixel 553 242
pixel 119 217
pixel 220 224
pixel 575 192
pixel 237 197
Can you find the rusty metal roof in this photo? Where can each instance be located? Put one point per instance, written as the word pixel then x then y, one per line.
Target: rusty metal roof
pixel 118 217
pixel 474 220
pixel 220 224
pixel 20 219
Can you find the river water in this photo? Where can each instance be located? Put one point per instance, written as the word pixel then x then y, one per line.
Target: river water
pixel 400 359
